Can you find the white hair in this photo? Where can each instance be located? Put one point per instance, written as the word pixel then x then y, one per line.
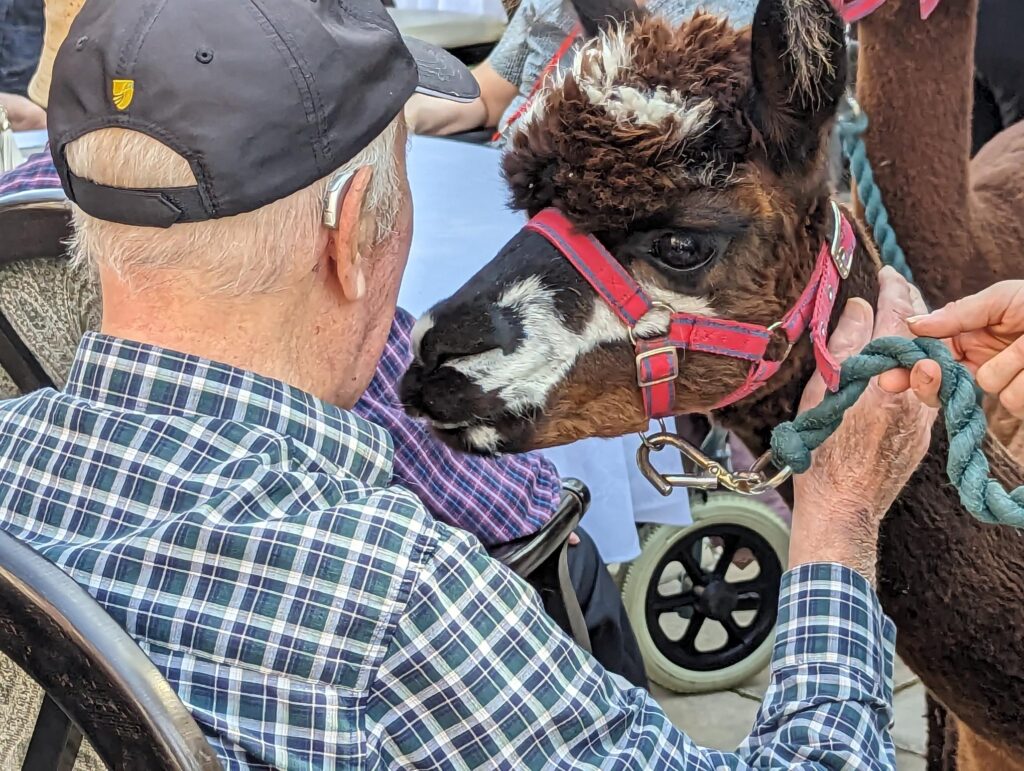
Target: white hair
pixel 258 251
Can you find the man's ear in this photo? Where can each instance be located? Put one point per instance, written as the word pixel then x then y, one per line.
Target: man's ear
pixel 350 239
pixel 798 54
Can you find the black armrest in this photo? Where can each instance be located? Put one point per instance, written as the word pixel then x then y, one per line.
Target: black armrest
pixel 524 555
pixel 472 55
pixel 89 666
pixel 35 224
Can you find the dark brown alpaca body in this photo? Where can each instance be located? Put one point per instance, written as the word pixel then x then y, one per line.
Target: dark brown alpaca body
pixel 961 222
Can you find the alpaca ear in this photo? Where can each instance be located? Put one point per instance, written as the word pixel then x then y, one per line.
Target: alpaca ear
pixel 798 54
pixel 596 15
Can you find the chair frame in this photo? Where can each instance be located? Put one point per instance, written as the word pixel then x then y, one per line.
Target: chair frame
pixel 98 682
pixel 526 554
pixel 23 216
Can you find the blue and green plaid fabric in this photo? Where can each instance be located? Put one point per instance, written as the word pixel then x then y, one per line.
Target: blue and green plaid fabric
pixel 312 615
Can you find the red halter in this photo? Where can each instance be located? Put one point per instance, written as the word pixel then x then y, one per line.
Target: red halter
pixel 855 10
pixel 657 358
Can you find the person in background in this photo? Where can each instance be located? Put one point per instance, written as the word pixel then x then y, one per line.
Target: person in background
pixel 542 36
pixel 999 70
pixel 21 38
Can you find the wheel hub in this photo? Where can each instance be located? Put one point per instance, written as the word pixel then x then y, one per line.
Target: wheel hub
pixel 718 599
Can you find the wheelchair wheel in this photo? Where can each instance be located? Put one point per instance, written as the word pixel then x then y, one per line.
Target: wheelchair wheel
pixel 702 622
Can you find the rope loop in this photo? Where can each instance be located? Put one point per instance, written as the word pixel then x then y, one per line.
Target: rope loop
pixel 967 467
pixel 851 134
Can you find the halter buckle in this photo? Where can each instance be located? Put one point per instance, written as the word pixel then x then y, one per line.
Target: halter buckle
pixel 841 256
pixel 790 343
pixel 644 355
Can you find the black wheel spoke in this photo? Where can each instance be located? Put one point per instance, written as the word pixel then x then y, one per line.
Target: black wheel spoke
pixel 692 566
pixel 729 545
pixel 748 601
pixel 688 642
pixel 667 604
pixel 682 589
pixel 733 629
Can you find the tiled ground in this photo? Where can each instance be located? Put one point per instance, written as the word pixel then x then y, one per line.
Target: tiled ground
pixel 722 719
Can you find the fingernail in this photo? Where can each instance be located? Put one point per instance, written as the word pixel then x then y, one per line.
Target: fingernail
pixel 915 319
pixel 926 379
pixel 861 307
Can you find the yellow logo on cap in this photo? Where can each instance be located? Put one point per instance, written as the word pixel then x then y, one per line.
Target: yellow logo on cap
pixel 123 91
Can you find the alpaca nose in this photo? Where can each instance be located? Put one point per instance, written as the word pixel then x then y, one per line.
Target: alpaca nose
pixel 456 336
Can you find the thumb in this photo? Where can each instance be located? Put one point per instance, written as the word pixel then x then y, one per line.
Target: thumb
pixel 851 334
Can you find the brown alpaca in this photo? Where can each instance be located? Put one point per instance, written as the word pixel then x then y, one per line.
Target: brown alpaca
pixel 960 221
pixel 697 156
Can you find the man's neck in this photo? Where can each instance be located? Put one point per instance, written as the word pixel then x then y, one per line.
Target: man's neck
pixel 252 333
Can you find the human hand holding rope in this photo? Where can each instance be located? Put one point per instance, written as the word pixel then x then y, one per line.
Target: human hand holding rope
pixel 859 470
pixel 985 332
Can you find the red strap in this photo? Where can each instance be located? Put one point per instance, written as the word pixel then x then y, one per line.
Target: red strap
pixel 563 49
pixel 591 259
pixel 855 10
pixel 725 338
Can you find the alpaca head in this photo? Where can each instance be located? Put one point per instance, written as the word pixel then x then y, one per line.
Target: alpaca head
pixel 697 156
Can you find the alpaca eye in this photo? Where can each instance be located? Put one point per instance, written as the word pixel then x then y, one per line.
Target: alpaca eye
pixel 683 251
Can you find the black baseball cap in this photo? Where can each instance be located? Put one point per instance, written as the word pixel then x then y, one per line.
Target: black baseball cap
pixel 261 97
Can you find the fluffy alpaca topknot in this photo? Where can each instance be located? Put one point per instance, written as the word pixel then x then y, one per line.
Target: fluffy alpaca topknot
pixel 648 109
pixel 602 68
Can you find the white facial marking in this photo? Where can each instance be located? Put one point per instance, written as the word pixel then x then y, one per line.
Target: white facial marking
pixel 423 325
pixel 549 349
pixel 449 426
pixel 483 438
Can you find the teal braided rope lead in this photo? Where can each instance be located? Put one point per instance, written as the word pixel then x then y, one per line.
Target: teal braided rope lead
pixel 967 466
pixel 851 134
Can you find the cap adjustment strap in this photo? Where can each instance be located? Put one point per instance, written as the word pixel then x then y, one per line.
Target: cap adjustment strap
pixel 157 208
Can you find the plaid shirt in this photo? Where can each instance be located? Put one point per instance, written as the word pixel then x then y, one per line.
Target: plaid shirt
pixel 495 499
pixel 312 615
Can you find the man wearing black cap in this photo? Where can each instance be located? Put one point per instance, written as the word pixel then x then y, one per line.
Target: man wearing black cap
pixel 239 180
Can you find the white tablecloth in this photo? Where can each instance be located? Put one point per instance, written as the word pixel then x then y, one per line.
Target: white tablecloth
pixel 461 222
pixel 440 25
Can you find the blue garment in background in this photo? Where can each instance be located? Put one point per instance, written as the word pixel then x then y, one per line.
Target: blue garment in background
pixel 21 40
